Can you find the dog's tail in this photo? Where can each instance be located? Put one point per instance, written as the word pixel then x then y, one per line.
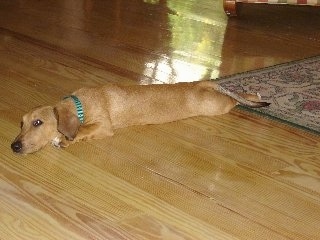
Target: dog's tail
pixel 241 100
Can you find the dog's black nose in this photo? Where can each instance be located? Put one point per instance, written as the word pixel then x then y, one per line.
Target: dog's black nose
pixel 16 146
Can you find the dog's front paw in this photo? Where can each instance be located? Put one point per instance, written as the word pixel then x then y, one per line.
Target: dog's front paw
pixel 60 142
pixel 64 143
pixel 56 142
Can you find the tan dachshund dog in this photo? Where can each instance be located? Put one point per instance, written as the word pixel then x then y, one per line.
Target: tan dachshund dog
pixel 94 113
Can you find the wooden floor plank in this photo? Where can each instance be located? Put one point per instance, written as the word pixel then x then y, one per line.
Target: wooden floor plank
pixel 236 176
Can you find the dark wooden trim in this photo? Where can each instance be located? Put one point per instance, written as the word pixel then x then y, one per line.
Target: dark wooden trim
pixel 230 7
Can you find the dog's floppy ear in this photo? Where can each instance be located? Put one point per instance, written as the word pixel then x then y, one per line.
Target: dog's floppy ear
pixel 68 122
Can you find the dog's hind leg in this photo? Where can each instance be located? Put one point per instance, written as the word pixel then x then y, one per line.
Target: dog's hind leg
pixel 248 100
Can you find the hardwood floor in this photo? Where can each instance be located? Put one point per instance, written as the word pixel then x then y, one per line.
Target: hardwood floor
pixel 236 176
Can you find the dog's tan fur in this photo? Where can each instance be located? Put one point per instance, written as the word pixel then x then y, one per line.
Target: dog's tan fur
pixel 113 106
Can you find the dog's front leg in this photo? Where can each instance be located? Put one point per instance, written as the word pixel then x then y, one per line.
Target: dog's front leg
pixel 88 132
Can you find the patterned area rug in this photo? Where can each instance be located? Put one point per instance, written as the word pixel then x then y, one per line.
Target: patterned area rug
pixel 293 89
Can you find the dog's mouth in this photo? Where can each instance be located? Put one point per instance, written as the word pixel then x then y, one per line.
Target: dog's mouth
pixel 21 147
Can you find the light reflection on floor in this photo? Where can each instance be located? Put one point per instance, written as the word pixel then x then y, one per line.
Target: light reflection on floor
pixel 195 47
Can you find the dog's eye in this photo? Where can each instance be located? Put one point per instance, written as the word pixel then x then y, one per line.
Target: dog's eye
pixel 37 123
pixel 21 125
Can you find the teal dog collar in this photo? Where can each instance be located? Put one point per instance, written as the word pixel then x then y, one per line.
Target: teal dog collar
pixel 79 107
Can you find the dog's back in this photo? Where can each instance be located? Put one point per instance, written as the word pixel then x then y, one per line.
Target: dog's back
pixel 160 103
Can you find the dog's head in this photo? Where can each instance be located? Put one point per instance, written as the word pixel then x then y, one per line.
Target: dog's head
pixel 43 125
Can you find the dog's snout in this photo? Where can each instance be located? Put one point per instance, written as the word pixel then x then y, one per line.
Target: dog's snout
pixel 16 146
